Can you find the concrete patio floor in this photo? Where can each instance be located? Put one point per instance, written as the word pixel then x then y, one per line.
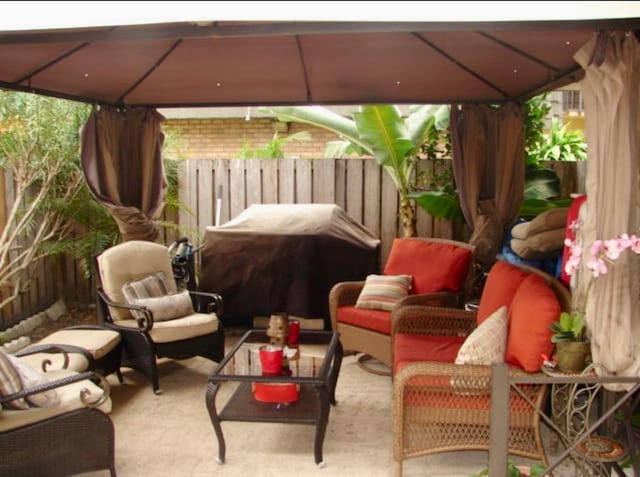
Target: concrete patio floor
pixel 171 434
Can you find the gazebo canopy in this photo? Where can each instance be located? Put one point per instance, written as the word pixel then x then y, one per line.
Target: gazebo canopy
pixel 234 63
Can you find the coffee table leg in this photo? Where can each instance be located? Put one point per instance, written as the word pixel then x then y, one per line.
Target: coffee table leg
pixel 323 398
pixel 335 370
pixel 212 390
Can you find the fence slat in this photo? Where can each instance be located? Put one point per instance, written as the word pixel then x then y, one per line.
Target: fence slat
pixel 237 187
pixel 270 182
pixel 355 191
pixel 287 181
pixel 304 182
pixel 324 181
pixel 372 196
pixel 254 181
pixel 221 183
pixel 206 197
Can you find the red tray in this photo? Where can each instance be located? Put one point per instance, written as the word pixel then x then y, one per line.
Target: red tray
pixel 276 392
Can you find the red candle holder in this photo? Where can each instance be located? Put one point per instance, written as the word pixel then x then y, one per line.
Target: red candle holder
pixel 270 359
pixel 294 332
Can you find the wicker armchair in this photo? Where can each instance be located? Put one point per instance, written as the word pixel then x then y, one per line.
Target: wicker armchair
pixel 439 406
pixel 145 339
pixel 361 334
pixel 73 437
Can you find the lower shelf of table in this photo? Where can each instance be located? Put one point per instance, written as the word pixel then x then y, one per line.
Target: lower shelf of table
pixel 243 407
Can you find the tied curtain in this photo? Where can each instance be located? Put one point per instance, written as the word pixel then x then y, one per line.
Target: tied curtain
pixel 122 165
pixel 488 166
pixel 611 61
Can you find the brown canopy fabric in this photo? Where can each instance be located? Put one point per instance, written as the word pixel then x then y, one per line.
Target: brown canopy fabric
pixel 488 166
pixel 611 97
pixel 122 164
pixel 221 63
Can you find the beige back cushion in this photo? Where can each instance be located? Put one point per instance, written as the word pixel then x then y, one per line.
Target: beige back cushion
pixel 131 261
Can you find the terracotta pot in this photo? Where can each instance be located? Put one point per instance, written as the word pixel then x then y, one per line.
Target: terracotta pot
pixel 572 355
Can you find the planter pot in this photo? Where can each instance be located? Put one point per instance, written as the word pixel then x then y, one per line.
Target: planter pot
pixel 572 355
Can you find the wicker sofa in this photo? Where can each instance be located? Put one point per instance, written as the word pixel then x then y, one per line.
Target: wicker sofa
pixel 441 404
pixel 70 433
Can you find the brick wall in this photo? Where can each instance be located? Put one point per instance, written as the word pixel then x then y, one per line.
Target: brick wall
pixel 223 138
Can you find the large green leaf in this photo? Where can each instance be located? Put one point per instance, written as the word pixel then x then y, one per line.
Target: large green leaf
pixel 423 118
pixel 382 128
pixel 533 207
pixel 322 118
pixel 541 184
pixel 439 204
pixel 338 149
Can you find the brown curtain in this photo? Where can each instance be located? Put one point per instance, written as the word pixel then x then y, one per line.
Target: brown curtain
pixel 122 164
pixel 488 166
pixel 610 90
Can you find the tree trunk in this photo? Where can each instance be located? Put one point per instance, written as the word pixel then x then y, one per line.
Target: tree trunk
pixel 408 217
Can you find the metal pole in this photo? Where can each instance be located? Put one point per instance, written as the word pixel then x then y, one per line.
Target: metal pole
pixel 499 433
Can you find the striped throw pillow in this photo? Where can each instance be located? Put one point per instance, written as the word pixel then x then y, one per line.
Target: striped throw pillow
pixel 382 292
pixel 10 382
pixel 148 287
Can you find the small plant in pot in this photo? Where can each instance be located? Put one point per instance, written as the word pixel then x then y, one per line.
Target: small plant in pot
pixel 572 345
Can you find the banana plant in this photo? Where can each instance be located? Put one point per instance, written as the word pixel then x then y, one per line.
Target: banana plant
pixel 383 133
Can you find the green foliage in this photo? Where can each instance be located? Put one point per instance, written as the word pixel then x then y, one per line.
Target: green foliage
pixel 562 145
pixel 541 184
pixel 272 149
pixel 535 470
pixel 536 110
pixel 570 327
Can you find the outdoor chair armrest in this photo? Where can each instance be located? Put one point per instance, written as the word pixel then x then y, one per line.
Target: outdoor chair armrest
pixel 432 320
pixel 64 349
pixel 458 379
pixel 441 298
pixel 77 377
pixel 144 324
pixel 345 293
pixel 211 302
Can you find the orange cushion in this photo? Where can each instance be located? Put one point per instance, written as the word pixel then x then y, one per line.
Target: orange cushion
pixel 434 266
pixel 410 348
pixel 501 285
pixel 533 309
pixel 375 320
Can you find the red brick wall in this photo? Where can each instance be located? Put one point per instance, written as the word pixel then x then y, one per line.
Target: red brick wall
pixel 214 138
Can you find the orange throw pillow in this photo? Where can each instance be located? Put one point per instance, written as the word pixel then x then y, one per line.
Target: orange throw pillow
pixel 533 309
pixel 502 283
pixel 434 266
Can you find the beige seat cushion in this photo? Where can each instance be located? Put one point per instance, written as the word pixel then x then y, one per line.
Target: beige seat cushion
pixel 77 362
pixel 197 324
pixel 115 265
pixel 97 342
pixel 539 246
pixel 69 400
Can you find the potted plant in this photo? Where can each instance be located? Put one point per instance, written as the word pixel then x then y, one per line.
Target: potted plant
pixel 516 470
pixel 572 345
pixel 570 330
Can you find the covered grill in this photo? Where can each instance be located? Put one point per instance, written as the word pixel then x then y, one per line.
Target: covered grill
pixel 285 258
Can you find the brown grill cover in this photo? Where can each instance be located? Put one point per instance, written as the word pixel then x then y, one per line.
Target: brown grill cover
pixel 285 258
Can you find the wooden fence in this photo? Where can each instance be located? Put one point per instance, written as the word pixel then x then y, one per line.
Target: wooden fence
pixel 359 186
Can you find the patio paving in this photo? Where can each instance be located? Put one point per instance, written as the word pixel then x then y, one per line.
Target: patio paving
pixel 171 434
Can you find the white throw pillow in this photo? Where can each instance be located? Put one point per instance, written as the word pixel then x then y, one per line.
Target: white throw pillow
pixel 32 378
pixel 487 344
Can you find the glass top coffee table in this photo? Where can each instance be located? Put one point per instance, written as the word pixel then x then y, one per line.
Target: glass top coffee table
pixel 314 365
